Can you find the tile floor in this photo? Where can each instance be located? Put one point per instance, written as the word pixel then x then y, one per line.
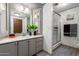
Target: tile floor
pixel 43 53
pixel 61 51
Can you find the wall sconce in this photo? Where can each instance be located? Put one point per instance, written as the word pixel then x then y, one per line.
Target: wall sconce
pixel 2 6
pixel 35 16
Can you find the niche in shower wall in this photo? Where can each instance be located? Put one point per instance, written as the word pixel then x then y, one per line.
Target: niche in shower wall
pixel 70 30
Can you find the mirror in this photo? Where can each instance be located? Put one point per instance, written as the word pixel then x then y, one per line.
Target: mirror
pixel 14 17
pixel 19 18
pixel 19 15
pixel 3 22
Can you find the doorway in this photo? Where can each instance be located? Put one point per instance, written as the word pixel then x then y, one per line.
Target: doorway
pixel 17 25
pixel 56 28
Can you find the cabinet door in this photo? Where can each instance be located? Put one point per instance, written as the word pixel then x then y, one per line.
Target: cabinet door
pixel 32 49
pixel 39 44
pixel 8 49
pixel 23 48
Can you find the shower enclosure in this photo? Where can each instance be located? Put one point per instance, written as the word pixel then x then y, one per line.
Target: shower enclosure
pixel 56 28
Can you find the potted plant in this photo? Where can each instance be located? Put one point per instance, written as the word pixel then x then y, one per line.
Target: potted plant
pixel 32 28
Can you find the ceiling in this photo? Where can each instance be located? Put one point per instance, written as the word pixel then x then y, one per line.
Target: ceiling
pixel 64 7
pixel 28 5
pixel 33 5
pixel 23 8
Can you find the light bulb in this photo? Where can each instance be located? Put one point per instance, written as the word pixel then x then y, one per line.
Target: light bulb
pixel 62 4
pixel 27 10
pixel 19 8
pixel 2 6
pixel 35 16
pixel 16 14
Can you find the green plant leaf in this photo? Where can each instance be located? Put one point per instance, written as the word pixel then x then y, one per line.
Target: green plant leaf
pixel 32 27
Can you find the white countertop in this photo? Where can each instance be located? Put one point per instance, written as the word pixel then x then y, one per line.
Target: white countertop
pixel 18 38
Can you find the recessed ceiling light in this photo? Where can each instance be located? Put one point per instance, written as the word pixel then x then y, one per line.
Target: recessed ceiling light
pixel 62 4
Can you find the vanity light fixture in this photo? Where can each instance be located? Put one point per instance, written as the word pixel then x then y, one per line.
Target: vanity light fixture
pixel 16 14
pixel 27 10
pixel 19 8
pixel 35 16
pixel 2 6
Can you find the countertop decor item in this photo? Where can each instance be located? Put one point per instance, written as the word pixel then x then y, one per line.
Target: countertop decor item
pixel 12 35
pixel 32 28
pixel 70 16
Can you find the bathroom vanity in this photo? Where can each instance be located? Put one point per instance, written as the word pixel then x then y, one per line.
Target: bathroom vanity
pixel 21 45
pixel 14 22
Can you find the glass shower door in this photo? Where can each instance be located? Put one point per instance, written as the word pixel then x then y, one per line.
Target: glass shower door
pixel 56 28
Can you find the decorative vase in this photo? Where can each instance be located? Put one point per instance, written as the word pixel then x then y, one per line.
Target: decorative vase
pixel 32 33
pixel 35 32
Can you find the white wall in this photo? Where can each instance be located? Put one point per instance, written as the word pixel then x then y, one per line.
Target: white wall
pixel 70 41
pixel 3 22
pixel 47 27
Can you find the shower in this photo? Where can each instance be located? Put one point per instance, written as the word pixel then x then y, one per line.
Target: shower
pixel 56 29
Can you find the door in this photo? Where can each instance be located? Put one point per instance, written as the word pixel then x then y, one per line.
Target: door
pixel 8 49
pixel 39 44
pixel 32 47
pixel 17 25
pixel 56 28
pixel 23 48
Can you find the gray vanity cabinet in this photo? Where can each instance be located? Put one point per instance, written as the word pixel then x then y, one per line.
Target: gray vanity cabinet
pixel 9 49
pixel 32 47
pixel 39 44
pixel 26 47
pixel 35 45
pixel 23 48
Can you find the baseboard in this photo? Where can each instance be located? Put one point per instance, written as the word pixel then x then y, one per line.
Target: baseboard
pixel 56 45
pixel 69 46
pixel 47 53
